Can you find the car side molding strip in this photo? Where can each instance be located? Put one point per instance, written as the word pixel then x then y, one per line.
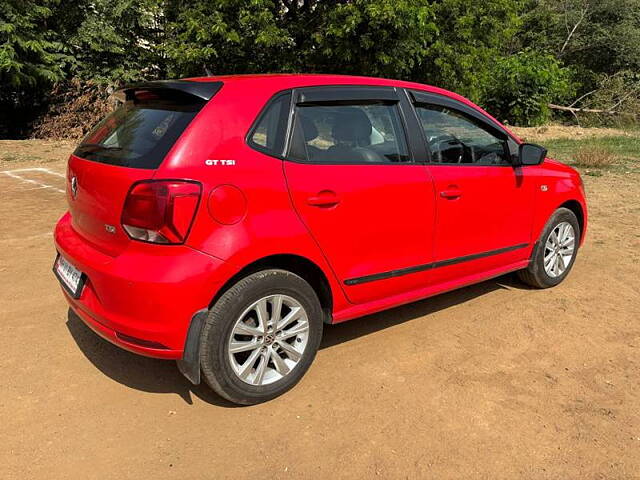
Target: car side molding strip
pixel 429 266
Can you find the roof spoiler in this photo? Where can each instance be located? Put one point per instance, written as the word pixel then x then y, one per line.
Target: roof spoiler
pixel 202 90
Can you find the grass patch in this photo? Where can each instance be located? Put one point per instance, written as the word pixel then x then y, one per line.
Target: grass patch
pixel 614 153
pixel 594 157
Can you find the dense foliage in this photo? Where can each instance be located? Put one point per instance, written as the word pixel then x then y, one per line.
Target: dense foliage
pixel 522 86
pixel 512 56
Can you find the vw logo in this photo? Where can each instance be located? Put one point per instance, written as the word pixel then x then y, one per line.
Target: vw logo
pixel 74 186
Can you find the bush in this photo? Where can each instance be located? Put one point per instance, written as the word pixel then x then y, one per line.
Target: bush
pixel 520 87
pixel 74 108
pixel 594 157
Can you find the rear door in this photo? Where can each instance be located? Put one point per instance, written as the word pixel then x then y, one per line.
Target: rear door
pixel 356 185
pixel 127 146
pixel 484 204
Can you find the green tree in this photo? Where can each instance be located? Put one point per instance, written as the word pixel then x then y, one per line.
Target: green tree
pixel 28 50
pixel 448 42
pixel 472 35
pixel 594 36
pixel 508 55
pixel 111 41
pixel 228 36
pixel 600 41
pixel 522 86
pixel 388 38
pixel 29 61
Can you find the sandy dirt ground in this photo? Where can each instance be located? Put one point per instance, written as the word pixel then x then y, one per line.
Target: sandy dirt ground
pixel 491 381
pixel 546 132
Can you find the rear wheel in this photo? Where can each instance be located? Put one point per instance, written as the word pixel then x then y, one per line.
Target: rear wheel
pixel 555 252
pixel 260 337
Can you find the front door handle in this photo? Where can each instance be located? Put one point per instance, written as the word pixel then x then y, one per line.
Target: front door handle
pixel 451 193
pixel 324 199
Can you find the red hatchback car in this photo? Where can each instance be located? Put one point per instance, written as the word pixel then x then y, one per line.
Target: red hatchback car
pixel 222 221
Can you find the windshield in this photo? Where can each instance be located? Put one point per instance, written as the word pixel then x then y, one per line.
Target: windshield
pixel 140 133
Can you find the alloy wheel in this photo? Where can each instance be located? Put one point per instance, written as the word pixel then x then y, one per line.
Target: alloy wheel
pixel 268 340
pixel 559 249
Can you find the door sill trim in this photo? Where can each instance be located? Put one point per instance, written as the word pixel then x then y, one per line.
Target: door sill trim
pixel 428 266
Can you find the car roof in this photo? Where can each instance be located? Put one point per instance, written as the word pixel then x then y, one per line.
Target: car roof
pixel 293 80
pixel 282 81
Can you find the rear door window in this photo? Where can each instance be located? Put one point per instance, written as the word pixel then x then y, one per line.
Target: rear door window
pixel 140 133
pixel 356 133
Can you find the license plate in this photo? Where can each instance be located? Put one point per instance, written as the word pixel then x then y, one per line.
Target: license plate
pixel 70 277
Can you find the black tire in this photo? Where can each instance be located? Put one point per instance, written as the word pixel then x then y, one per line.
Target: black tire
pixel 535 274
pixel 214 359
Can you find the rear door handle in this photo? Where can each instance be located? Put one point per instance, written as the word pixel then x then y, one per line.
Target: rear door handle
pixel 324 199
pixel 451 193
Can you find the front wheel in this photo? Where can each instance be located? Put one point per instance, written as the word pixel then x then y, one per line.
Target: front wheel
pixel 260 337
pixel 555 253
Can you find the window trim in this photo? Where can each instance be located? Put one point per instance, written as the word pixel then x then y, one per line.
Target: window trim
pixel 279 153
pixel 336 95
pixel 426 99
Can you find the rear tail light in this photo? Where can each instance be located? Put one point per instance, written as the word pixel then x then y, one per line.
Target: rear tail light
pixel 161 211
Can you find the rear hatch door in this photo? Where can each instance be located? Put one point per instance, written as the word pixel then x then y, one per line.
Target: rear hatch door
pixel 124 148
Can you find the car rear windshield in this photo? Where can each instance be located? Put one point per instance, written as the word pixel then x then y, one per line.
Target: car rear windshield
pixel 140 133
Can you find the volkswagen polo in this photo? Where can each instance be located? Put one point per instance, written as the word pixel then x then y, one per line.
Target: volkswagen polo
pixel 222 221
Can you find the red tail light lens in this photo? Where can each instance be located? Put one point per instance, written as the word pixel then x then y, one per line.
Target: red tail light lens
pixel 161 211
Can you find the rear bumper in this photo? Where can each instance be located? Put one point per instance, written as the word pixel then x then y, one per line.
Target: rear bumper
pixel 143 299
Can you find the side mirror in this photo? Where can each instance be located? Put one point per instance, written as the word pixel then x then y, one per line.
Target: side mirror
pixel 531 154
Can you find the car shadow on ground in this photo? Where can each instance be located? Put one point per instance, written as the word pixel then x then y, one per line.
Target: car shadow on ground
pixel 344 332
pixel 135 371
pixel 161 376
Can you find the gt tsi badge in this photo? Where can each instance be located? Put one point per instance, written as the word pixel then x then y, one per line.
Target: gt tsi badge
pixel 211 162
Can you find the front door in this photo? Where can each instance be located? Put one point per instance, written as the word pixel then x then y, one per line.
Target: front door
pixel 355 186
pixel 484 203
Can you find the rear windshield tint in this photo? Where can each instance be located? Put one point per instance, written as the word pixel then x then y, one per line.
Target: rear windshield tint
pixel 140 133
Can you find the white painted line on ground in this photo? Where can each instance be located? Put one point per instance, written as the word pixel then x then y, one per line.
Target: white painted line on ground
pixel 10 173
pixel 35 169
pixel 57 174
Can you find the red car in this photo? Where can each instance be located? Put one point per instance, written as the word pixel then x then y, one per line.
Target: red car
pixel 222 221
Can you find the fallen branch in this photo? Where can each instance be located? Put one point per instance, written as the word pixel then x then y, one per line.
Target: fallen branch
pixel 583 97
pixel 584 110
pixel 632 92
